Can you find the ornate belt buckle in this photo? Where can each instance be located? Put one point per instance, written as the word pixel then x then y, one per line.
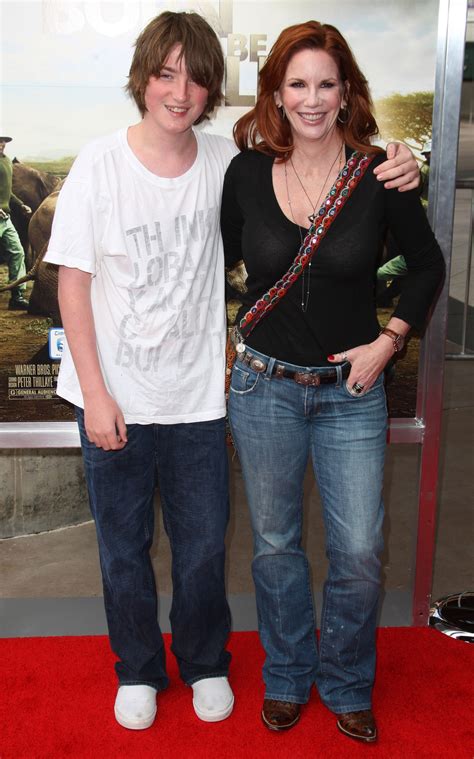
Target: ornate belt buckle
pixel 306 378
pixel 257 365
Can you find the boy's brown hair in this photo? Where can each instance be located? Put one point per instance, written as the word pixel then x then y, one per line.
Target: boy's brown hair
pixel 200 49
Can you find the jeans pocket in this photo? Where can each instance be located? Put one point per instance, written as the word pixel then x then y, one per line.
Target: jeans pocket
pixel 243 381
pixel 379 383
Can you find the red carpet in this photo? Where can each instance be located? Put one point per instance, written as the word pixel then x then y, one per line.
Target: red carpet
pixel 57 701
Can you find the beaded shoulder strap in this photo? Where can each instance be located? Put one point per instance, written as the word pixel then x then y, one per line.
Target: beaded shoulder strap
pixel 345 184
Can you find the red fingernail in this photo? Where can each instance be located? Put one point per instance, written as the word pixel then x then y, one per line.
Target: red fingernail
pixel 331 358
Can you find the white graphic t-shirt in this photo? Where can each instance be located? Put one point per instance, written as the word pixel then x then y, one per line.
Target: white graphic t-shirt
pixel 154 249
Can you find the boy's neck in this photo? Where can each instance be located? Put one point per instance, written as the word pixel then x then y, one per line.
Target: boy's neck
pixel 164 154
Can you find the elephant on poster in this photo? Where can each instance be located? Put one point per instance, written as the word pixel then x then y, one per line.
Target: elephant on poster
pixel 43 299
pixel 32 187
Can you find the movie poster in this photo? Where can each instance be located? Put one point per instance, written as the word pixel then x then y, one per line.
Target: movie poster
pixel 65 64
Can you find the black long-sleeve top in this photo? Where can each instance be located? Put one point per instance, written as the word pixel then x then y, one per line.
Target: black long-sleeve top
pixel 341 311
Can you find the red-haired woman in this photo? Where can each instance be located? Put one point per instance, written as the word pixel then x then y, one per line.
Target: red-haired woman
pixel 309 378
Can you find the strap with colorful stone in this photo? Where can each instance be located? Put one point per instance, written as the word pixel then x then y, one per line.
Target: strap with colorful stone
pixel 342 189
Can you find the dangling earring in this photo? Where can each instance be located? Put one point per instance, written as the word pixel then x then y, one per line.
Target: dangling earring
pixel 345 113
pixel 281 111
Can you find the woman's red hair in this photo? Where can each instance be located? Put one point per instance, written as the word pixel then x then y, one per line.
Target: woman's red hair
pixel 264 129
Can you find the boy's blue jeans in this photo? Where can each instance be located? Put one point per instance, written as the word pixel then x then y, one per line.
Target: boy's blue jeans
pixel 189 464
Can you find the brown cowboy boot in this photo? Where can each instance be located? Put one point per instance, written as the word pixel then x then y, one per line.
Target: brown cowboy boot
pixel 359 725
pixel 280 715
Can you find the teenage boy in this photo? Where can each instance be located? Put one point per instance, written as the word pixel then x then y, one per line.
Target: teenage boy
pixel 141 290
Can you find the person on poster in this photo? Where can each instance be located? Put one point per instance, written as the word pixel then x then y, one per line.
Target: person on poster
pixel 141 286
pixel 11 248
pixel 309 379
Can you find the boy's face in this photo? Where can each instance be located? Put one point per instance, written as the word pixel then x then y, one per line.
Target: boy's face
pixel 173 101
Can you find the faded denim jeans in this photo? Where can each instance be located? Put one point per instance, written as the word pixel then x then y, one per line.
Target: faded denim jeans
pixel 277 425
pixel 189 464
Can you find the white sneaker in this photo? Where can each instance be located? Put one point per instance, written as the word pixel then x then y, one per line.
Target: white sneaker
pixel 135 706
pixel 213 699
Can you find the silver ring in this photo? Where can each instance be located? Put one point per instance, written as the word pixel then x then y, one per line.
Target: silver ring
pixel 344 356
pixel 357 388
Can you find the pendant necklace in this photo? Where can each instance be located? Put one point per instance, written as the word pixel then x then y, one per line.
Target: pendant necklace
pixel 315 206
pixel 306 276
pixel 304 296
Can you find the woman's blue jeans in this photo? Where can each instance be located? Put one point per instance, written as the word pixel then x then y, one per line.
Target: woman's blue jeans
pixel 189 463
pixel 276 425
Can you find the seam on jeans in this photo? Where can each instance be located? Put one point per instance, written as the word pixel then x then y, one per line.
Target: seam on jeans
pixel 286 697
pixel 348 708
pixel 322 640
pixel 309 594
pixel 356 652
pixel 324 624
pixel 325 605
pixel 143 682
pixel 306 401
pixel 164 508
pixel 147 518
pixel 206 677
pixel 280 629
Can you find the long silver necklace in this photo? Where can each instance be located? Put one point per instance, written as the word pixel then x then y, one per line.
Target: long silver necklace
pixel 315 206
pixel 306 275
pixel 305 281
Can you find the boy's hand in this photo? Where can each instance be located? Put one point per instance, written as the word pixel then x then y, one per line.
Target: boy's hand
pixel 104 423
pixel 400 170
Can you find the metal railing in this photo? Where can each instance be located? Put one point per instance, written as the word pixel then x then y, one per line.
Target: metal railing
pixel 466 184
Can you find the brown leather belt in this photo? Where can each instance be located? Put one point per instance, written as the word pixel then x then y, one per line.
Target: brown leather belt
pixel 312 379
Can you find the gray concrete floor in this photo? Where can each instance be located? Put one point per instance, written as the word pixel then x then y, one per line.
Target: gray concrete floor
pixel 63 564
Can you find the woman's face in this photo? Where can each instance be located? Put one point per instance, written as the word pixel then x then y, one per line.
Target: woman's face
pixel 312 95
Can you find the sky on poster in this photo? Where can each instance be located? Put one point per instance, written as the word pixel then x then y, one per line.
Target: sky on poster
pixel 64 62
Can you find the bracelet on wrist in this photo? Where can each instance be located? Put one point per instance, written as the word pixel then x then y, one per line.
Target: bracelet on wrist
pixel 398 341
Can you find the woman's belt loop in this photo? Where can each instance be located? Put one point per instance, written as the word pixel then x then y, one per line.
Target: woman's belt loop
pixel 269 369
